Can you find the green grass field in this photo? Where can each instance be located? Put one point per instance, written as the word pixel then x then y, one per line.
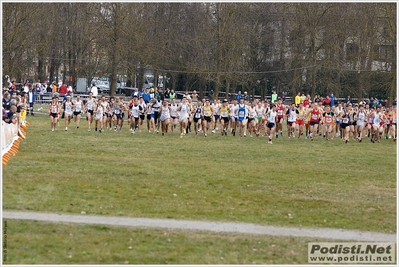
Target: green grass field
pixel 290 183
pixel 47 243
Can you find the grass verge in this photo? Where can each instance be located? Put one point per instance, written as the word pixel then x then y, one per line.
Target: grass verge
pixel 32 242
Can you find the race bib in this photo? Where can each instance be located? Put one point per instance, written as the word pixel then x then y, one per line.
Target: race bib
pixel 314 116
pixel 345 120
pixel 280 112
pixel 224 114
pixel 197 115
pixel 328 119
pixel 241 114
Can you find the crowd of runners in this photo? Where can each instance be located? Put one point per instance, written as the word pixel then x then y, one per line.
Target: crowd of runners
pixel 346 121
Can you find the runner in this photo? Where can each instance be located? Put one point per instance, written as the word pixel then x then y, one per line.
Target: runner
pixel 191 107
pixel 260 117
pixel 329 122
pixel 314 120
pixel 280 117
pixel 173 114
pixel 165 111
pixel 142 111
pixel 129 115
pixel 291 119
pixel 198 117
pixel 106 108
pixel 360 122
pixel 150 116
pixel 54 111
pixel 183 112
pixel 89 107
pixel 123 109
pixel 233 116
pixel 242 114
pixel 353 120
pixel 68 109
pixel 300 119
pixel 216 114
pixel 393 123
pixel 378 125
pixel 117 114
pixel 134 116
pixel 155 108
pixel 78 104
pixel 252 121
pixel 109 125
pixel 271 117
pixel 338 121
pixel 346 116
pixel 207 112
pixel 99 110
pixel 224 112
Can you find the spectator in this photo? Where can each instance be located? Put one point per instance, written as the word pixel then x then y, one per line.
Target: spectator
pixel 31 101
pixel 136 93
pixel 54 88
pixel 317 99
pixel 303 97
pixel 187 95
pixel 146 96
pixel 69 93
pixel 38 88
pixel 94 90
pixel 333 99
pixel 13 86
pixel 348 100
pixel 246 96
pixel 63 89
pixel 26 87
pixel 167 94
pixel 327 101
pixel 239 96
pixel 298 99
pixel 375 102
pixel 194 96
pixel 156 93
pixel 11 116
pixel 274 97
pixel 6 100
pixel 172 94
pixel 152 92
pixel 161 95
pixel 283 97
pixel 394 102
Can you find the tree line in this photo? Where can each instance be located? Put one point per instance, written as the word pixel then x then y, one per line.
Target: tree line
pixel 316 48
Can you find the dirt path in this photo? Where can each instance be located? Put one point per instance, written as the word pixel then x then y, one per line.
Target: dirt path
pixel 246 228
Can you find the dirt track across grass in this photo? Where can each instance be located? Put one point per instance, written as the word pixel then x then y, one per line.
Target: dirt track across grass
pixel 234 227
